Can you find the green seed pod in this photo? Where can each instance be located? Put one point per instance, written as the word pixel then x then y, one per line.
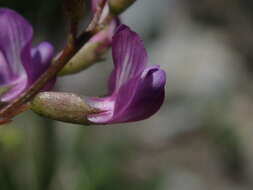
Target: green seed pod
pixel 83 59
pixel 92 52
pixel 66 107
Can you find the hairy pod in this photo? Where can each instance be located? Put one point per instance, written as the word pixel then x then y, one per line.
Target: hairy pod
pixel 66 107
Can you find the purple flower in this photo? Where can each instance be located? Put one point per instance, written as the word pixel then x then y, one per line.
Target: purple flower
pixel 20 64
pixel 136 89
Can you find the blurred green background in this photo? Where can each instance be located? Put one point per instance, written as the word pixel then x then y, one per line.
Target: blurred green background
pixel 200 139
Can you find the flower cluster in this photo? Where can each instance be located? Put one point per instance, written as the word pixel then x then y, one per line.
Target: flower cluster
pixel 135 89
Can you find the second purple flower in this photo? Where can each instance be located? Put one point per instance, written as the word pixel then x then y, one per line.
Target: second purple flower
pixel 20 64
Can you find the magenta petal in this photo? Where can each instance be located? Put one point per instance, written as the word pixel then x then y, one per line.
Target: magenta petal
pixel 129 57
pixel 5 75
pixel 136 90
pixel 15 39
pixel 106 105
pixel 134 101
pixel 145 100
pixel 20 65
pixel 41 59
pixel 17 86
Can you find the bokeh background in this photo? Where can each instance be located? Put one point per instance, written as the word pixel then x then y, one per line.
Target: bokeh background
pixel 202 137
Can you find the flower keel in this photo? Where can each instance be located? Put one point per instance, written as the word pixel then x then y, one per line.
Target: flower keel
pixel 136 90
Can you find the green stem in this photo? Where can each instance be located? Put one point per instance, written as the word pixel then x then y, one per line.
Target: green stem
pixel 47 154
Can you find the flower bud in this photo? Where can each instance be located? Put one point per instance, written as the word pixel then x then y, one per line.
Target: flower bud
pixel 119 6
pixel 83 59
pixel 66 107
pixel 91 52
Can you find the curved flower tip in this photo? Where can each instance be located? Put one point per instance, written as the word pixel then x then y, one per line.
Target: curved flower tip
pixel 136 89
pixel 20 65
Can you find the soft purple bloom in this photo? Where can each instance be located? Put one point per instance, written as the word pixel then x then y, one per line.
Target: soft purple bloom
pixel 20 64
pixel 136 90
